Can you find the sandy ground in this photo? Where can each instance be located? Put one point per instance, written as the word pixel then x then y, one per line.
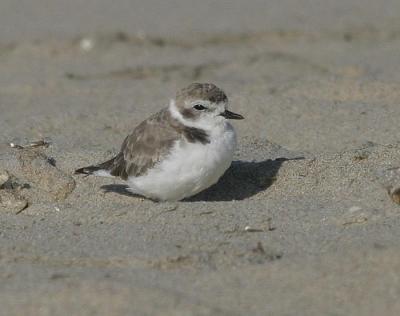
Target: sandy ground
pixel 301 224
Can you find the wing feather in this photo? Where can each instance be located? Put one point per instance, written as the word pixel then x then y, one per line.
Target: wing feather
pixel 148 144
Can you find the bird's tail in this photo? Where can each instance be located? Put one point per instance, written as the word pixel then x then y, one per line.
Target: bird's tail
pixel 102 169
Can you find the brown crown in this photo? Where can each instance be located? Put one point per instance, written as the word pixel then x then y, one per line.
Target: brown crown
pixel 202 91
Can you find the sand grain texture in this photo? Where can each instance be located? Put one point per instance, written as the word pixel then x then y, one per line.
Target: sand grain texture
pixel 305 222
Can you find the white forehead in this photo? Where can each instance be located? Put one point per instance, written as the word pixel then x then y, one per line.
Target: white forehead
pixel 207 103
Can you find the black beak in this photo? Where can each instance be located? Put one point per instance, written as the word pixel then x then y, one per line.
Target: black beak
pixel 231 116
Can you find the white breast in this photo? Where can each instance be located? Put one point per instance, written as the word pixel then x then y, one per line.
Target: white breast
pixel 190 167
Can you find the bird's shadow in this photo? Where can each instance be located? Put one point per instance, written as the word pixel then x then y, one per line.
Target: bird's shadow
pixel 242 180
pixel 121 189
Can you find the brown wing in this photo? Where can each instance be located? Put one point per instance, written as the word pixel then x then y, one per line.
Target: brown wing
pixel 149 143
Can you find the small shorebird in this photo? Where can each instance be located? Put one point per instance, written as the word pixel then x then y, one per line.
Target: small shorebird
pixel 179 151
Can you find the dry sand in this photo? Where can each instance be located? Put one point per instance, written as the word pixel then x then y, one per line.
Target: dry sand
pixel 301 224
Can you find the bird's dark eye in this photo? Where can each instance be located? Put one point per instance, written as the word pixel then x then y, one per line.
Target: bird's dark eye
pixel 199 107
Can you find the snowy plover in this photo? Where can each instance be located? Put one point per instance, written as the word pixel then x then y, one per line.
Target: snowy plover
pixel 179 151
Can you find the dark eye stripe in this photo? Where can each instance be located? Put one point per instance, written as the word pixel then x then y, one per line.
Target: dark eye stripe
pixel 199 107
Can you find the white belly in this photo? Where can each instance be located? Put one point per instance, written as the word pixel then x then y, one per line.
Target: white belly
pixel 189 169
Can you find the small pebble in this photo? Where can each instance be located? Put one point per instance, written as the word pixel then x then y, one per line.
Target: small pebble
pixel 252 229
pixel 86 44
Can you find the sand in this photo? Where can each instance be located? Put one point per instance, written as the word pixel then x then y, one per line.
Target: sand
pixel 305 222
